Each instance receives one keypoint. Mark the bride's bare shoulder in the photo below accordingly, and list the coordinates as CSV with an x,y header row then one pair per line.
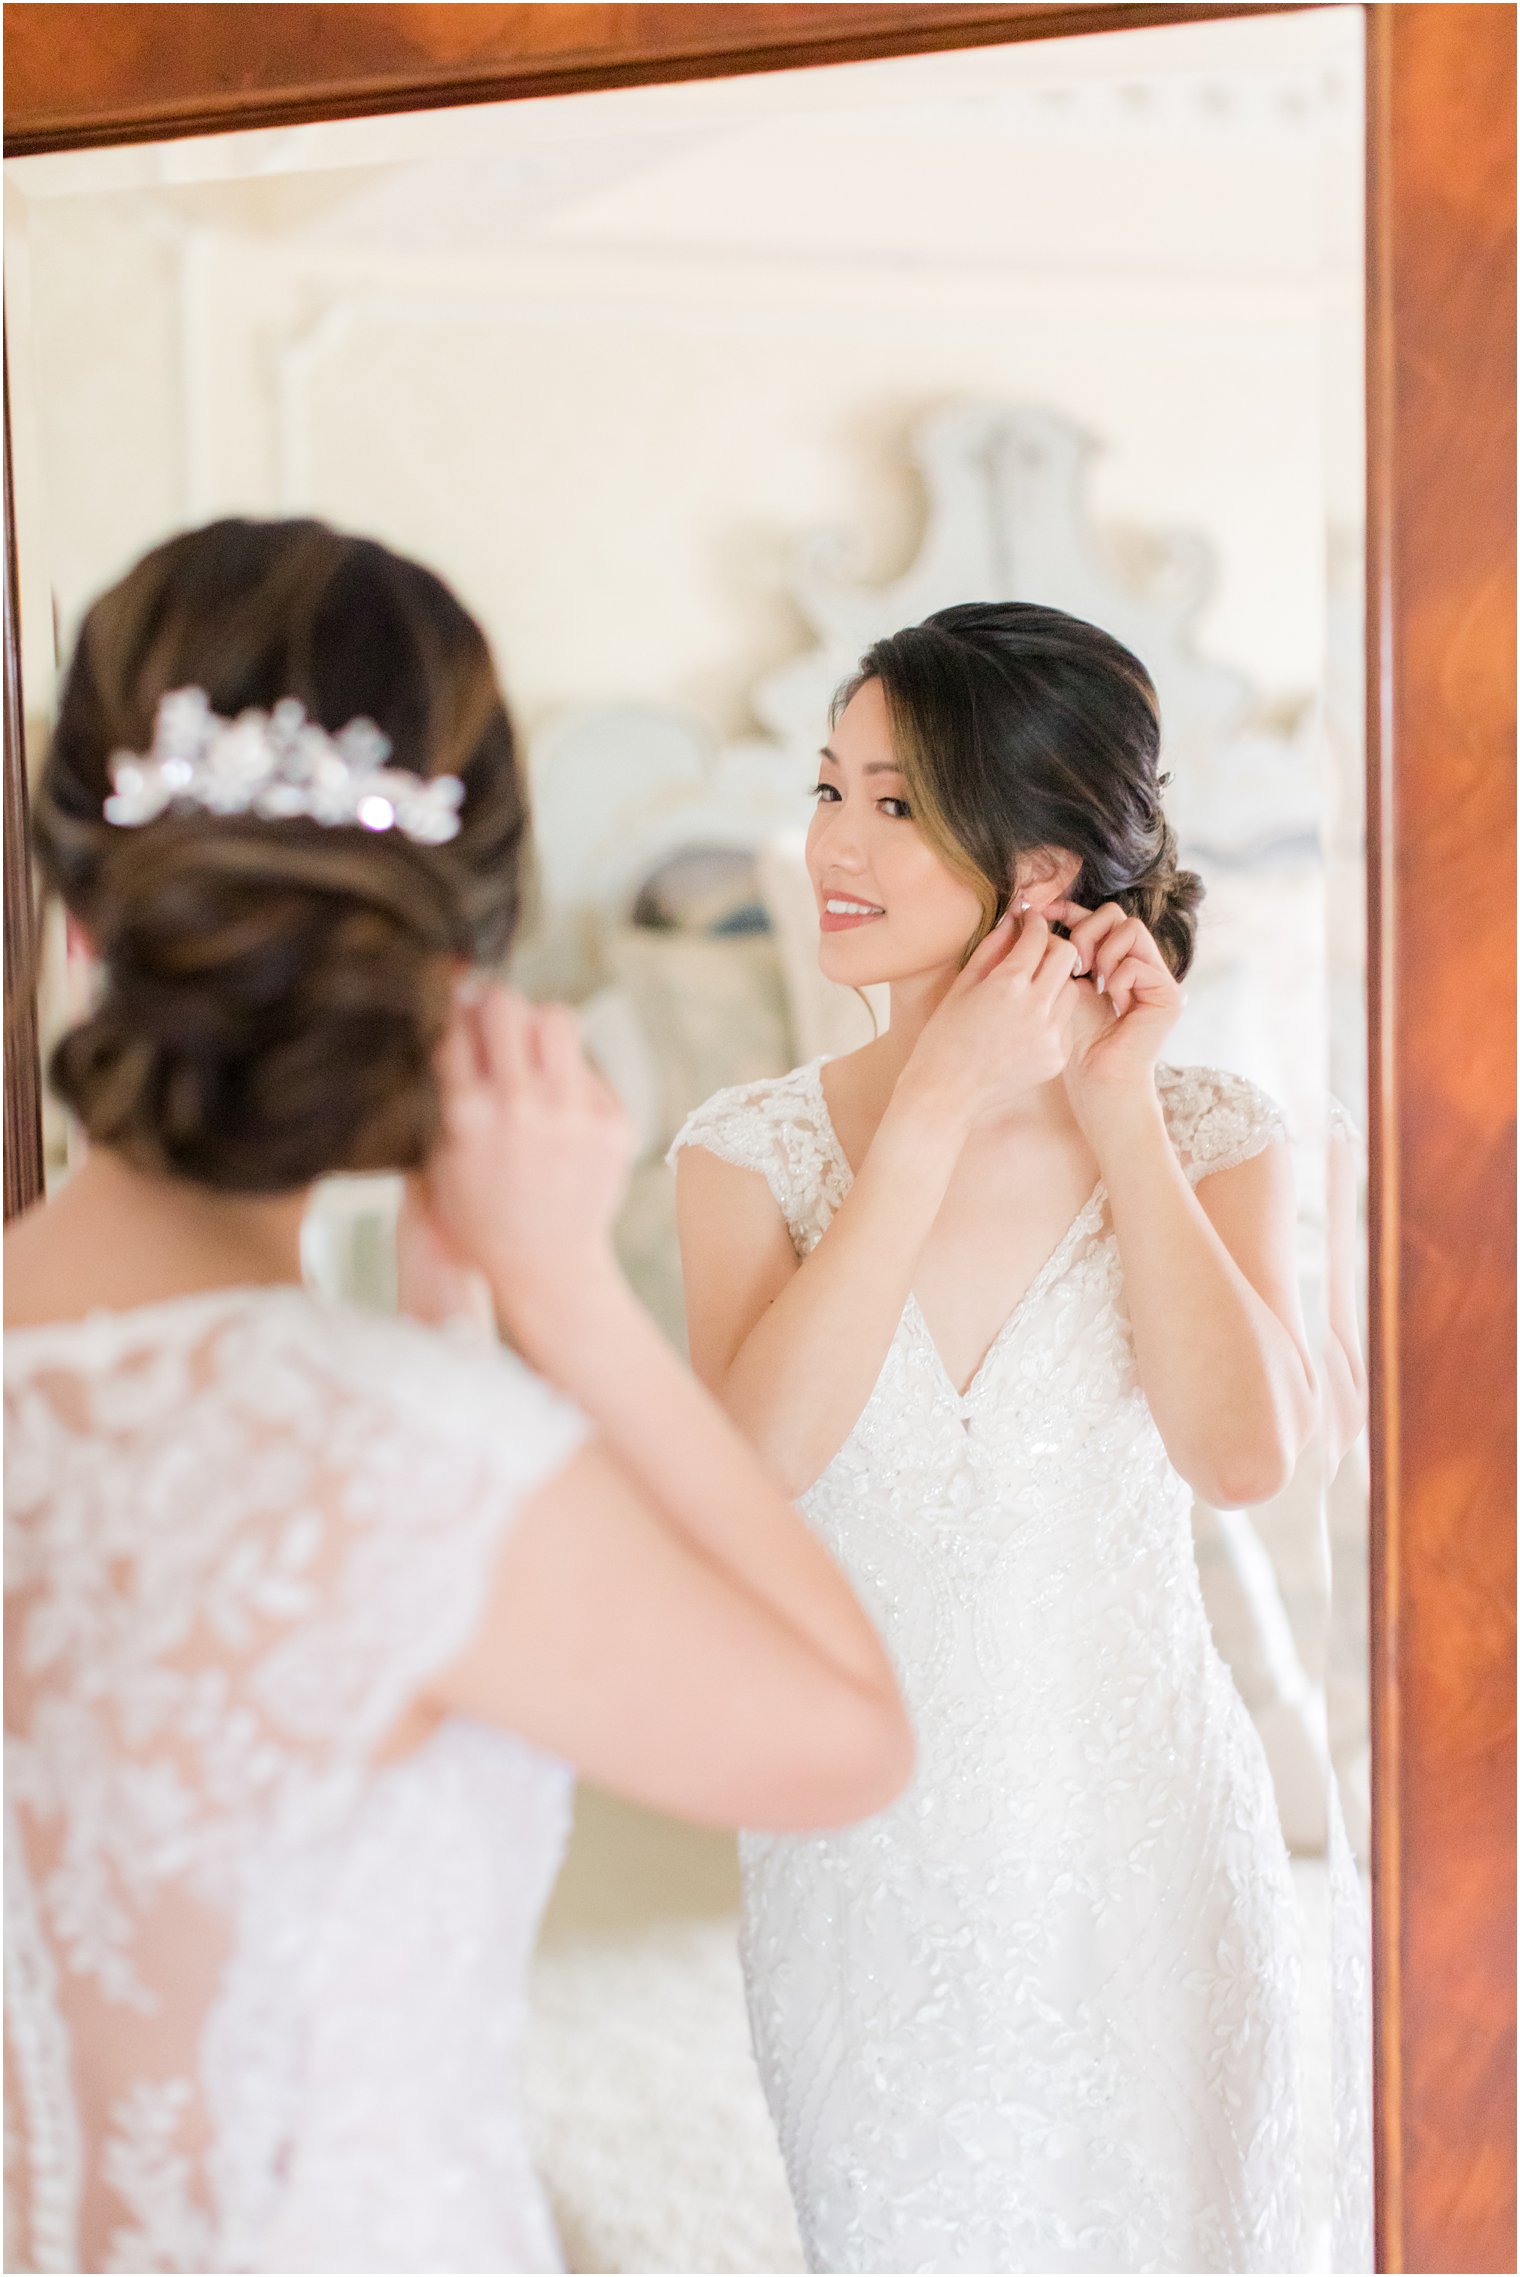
x,y
856,1088
858,1075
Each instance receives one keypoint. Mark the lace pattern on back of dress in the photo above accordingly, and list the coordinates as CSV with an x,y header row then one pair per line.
x,y
241,1531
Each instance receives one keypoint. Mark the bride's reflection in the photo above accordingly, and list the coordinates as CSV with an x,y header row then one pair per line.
x,y
998,1294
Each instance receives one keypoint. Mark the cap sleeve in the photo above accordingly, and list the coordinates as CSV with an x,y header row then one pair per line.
x,y
734,1126
771,1127
1217,1119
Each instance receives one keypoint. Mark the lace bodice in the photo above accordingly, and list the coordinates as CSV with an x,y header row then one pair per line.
x,y
781,1127
1041,2013
263,1995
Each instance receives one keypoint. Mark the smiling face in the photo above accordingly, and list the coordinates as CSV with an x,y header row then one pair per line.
x,y
889,906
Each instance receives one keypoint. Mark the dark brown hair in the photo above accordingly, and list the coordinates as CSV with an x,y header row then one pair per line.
x,y
272,992
1018,728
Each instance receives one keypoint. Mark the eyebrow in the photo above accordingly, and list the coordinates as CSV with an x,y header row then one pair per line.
x,y
872,766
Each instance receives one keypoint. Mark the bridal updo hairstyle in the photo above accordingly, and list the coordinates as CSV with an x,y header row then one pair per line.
x,y
1019,727
272,992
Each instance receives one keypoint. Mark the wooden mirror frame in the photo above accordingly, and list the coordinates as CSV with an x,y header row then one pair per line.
x,y
1440,835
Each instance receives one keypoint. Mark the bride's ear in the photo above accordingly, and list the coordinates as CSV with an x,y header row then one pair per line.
x,y
1045,875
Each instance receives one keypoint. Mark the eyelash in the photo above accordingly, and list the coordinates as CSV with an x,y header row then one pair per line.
x,y
905,815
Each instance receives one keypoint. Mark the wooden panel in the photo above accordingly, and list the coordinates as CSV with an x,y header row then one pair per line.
x,y
1442,805
86,74
1442,677
23,1112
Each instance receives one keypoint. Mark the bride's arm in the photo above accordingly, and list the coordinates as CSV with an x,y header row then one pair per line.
x,y
589,1335
793,1350
1213,1302
610,1641
1209,1275
524,1189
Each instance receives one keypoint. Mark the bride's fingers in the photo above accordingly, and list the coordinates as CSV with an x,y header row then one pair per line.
x,y
504,1024
1136,980
989,952
1126,939
1056,967
1087,927
1025,955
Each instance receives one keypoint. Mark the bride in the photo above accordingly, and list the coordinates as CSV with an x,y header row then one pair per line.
x,y
309,1613
997,1295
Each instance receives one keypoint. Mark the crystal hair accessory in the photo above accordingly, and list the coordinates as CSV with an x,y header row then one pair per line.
x,y
277,765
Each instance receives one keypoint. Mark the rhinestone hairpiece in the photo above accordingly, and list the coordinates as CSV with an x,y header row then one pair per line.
x,y
277,764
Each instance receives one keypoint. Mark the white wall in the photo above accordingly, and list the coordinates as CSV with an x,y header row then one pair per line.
x,y
603,360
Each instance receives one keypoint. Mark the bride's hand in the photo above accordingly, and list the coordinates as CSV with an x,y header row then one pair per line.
x,y
1003,1026
1129,1007
536,1150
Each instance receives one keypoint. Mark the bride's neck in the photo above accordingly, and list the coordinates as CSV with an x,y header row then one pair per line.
x,y
116,1236
913,1003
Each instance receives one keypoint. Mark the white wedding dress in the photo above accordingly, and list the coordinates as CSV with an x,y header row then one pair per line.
x,y
263,1998
1042,2012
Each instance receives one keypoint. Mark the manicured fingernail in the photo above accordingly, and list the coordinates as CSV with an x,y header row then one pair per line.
x,y
1102,985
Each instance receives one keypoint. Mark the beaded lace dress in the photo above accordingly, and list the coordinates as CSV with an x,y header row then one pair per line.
x,y
1042,2012
264,1998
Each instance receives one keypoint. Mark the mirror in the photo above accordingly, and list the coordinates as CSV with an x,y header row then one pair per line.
x,y
691,392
